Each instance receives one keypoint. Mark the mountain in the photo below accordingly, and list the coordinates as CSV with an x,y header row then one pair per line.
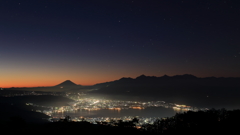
x,y
210,90
67,83
68,86
62,87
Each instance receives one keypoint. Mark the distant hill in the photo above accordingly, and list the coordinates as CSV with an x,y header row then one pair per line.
x,y
66,86
180,88
67,83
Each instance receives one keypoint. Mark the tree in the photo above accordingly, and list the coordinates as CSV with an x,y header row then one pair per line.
x,y
67,119
134,121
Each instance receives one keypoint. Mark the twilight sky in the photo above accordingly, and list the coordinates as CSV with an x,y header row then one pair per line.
x,y
45,42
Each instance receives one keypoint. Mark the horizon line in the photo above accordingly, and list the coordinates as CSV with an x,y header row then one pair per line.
x,y
115,80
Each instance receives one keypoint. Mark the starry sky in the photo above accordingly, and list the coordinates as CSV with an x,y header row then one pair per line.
x,y
45,42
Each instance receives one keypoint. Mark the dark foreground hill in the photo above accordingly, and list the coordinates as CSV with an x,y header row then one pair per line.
x,y
201,122
15,108
12,113
44,100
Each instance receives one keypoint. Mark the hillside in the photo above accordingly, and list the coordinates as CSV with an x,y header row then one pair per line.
x,y
179,88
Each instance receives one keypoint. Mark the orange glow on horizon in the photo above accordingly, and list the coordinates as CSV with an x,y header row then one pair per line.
x,y
20,83
21,79
36,84
44,77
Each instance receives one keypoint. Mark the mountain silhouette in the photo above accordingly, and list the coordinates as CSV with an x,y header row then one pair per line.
x,y
188,88
62,87
67,83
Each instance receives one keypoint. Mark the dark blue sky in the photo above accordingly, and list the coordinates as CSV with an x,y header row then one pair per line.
x,y
44,42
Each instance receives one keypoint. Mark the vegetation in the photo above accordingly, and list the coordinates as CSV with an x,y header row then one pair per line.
x,y
212,122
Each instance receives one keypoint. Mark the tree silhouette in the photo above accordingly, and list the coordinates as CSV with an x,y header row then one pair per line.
x,y
67,119
134,121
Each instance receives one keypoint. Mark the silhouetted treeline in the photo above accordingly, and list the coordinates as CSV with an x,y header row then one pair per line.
x,y
210,122
64,126
202,122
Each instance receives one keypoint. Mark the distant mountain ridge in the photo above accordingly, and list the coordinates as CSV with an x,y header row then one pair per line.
x,y
166,78
176,87
184,87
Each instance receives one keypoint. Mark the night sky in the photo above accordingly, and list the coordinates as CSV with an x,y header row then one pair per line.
x,y
45,42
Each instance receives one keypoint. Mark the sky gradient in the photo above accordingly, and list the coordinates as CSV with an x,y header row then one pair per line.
x,y
45,42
